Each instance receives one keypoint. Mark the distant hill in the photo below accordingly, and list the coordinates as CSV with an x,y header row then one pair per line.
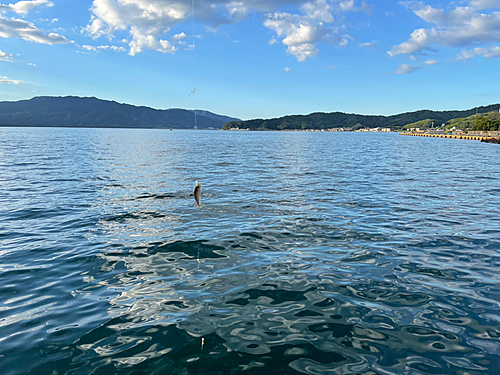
x,y
462,123
318,121
74,111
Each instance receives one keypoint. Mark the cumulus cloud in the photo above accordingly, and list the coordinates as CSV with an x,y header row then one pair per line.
x,y
461,27
431,62
4,56
147,22
142,39
23,7
178,37
406,69
303,51
10,81
143,20
302,32
286,69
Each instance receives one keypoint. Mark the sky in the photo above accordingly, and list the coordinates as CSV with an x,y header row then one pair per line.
x,y
255,58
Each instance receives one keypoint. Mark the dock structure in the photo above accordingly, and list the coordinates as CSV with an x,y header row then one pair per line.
x,y
453,136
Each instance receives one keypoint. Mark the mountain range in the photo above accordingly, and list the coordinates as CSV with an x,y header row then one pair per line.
x,y
319,121
74,111
90,112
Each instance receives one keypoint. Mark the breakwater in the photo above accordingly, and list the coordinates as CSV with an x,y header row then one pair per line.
x,y
491,140
454,136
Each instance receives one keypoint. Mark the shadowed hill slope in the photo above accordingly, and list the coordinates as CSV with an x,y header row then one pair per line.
x,y
73,111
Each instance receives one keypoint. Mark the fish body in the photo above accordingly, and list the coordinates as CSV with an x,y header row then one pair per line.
x,y
197,194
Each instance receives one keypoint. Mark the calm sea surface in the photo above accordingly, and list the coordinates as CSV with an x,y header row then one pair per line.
x,y
313,253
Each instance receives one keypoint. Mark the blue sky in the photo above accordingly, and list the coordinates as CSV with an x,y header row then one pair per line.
x,y
255,58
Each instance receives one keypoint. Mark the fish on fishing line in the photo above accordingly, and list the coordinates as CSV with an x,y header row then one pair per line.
x,y
197,194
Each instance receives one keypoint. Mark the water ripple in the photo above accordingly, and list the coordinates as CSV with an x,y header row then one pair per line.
x,y
311,254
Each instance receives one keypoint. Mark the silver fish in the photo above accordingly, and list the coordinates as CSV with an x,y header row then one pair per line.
x,y
197,193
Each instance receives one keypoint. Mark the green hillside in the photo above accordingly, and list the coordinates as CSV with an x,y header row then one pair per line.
x,y
323,121
482,121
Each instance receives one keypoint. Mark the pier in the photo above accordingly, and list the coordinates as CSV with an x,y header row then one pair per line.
x,y
482,138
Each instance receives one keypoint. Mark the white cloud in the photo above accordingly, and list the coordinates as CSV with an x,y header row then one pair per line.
x,y
141,40
303,51
301,32
146,22
488,53
286,69
178,38
17,28
406,69
368,45
89,48
349,6
23,7
113,48
31,64
143,19
10,81
417,42
461,27
4,56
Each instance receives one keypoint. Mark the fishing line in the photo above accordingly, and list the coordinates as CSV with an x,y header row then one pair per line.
x,y
195,126
194,68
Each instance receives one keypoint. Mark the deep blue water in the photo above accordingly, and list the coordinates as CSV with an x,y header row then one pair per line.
x,y
313,253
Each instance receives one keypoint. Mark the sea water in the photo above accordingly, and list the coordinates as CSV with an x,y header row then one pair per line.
x,y
313,253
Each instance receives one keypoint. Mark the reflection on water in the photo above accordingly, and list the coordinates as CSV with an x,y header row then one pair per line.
x,y
315,253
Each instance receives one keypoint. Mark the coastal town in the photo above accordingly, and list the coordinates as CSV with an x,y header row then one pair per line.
x,y
372,130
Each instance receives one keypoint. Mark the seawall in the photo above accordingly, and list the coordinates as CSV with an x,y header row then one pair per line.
x,y
454,136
